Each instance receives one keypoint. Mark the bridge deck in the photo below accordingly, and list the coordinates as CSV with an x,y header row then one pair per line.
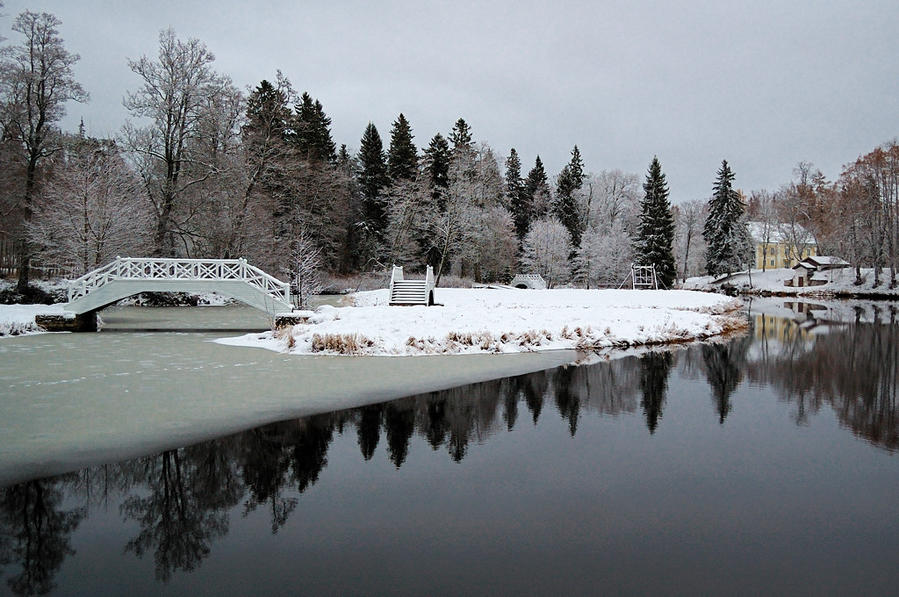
x,y
127,276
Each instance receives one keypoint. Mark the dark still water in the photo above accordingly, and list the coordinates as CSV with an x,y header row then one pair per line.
x,y
766,464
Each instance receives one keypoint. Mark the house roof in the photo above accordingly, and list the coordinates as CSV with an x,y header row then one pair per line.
x,y
821,262
776,233
830,260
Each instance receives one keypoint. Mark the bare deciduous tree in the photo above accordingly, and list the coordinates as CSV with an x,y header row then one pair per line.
x,y
90,210
305,268
177,92
492,245
36,81
604,257
545,251
689,246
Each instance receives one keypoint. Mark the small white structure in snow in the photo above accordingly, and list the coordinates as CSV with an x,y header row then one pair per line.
x,y
644,276
532,281
804,271
411,292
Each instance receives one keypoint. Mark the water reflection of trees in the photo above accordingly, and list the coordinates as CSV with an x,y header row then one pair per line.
x,y
185,505
655,367
853,369
723,365
181,499
36,534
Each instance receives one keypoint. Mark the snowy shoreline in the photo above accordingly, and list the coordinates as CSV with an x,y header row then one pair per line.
x,y
18,320
834,284
484,321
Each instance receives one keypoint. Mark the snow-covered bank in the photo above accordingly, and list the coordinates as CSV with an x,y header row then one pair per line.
x,y
18,320
503,321
839,283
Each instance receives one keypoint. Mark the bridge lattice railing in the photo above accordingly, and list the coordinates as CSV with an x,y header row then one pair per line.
x,y
141,268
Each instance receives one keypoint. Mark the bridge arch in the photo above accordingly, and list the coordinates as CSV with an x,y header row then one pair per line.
x,y
127,276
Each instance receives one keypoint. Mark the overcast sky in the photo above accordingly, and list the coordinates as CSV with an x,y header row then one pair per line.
x,y
761,84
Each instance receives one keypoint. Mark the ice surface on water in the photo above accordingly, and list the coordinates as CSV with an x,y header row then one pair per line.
x,y
73,399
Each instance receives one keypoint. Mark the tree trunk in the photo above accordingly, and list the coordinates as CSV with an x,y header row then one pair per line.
x,y
24,247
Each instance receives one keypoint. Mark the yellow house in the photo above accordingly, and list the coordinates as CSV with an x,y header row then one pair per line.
x,y
780,246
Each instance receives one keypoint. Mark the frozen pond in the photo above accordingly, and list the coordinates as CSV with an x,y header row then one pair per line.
x,y
765,464
70,399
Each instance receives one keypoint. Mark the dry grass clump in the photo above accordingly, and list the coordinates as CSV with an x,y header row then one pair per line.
x,y
483,340
534,338
723,308
341,343
286,334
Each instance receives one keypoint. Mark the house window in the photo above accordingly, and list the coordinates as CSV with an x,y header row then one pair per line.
x,y
772,262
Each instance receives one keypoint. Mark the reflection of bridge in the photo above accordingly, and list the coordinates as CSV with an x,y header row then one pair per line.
x,y
127,276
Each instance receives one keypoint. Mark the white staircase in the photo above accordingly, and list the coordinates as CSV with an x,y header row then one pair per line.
x,y
411,292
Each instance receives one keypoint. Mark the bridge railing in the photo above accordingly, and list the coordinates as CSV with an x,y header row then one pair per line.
x,y
143,268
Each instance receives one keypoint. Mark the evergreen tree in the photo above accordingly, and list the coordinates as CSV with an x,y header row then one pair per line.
x,y
655,230
373,178
536,190
725,230
402,157
565,208
517,195
343,157
461,136
312,131
437,162
268,115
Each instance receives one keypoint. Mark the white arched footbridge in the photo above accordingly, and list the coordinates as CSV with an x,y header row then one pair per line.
x,y
127,276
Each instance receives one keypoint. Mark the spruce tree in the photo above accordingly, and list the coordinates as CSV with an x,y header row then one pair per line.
x,y
312,131
536,177
655,231
461,136
268,114
535,185
343,156
725,232
373,178
565,208
516,195
436,164
402,157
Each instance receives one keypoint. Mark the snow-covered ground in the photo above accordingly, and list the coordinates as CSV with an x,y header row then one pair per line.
x,y
18,320
503,321
838,282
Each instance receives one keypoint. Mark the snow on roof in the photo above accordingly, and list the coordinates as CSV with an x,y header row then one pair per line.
x,y
827,260
821,261
776,233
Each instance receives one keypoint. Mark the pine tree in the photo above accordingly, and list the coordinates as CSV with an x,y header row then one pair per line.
x,y
536,190
267,109
373,178
402,157
312,131
461,136
577,167
565,208
343,157
517,195
436,162
655,231
725,230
